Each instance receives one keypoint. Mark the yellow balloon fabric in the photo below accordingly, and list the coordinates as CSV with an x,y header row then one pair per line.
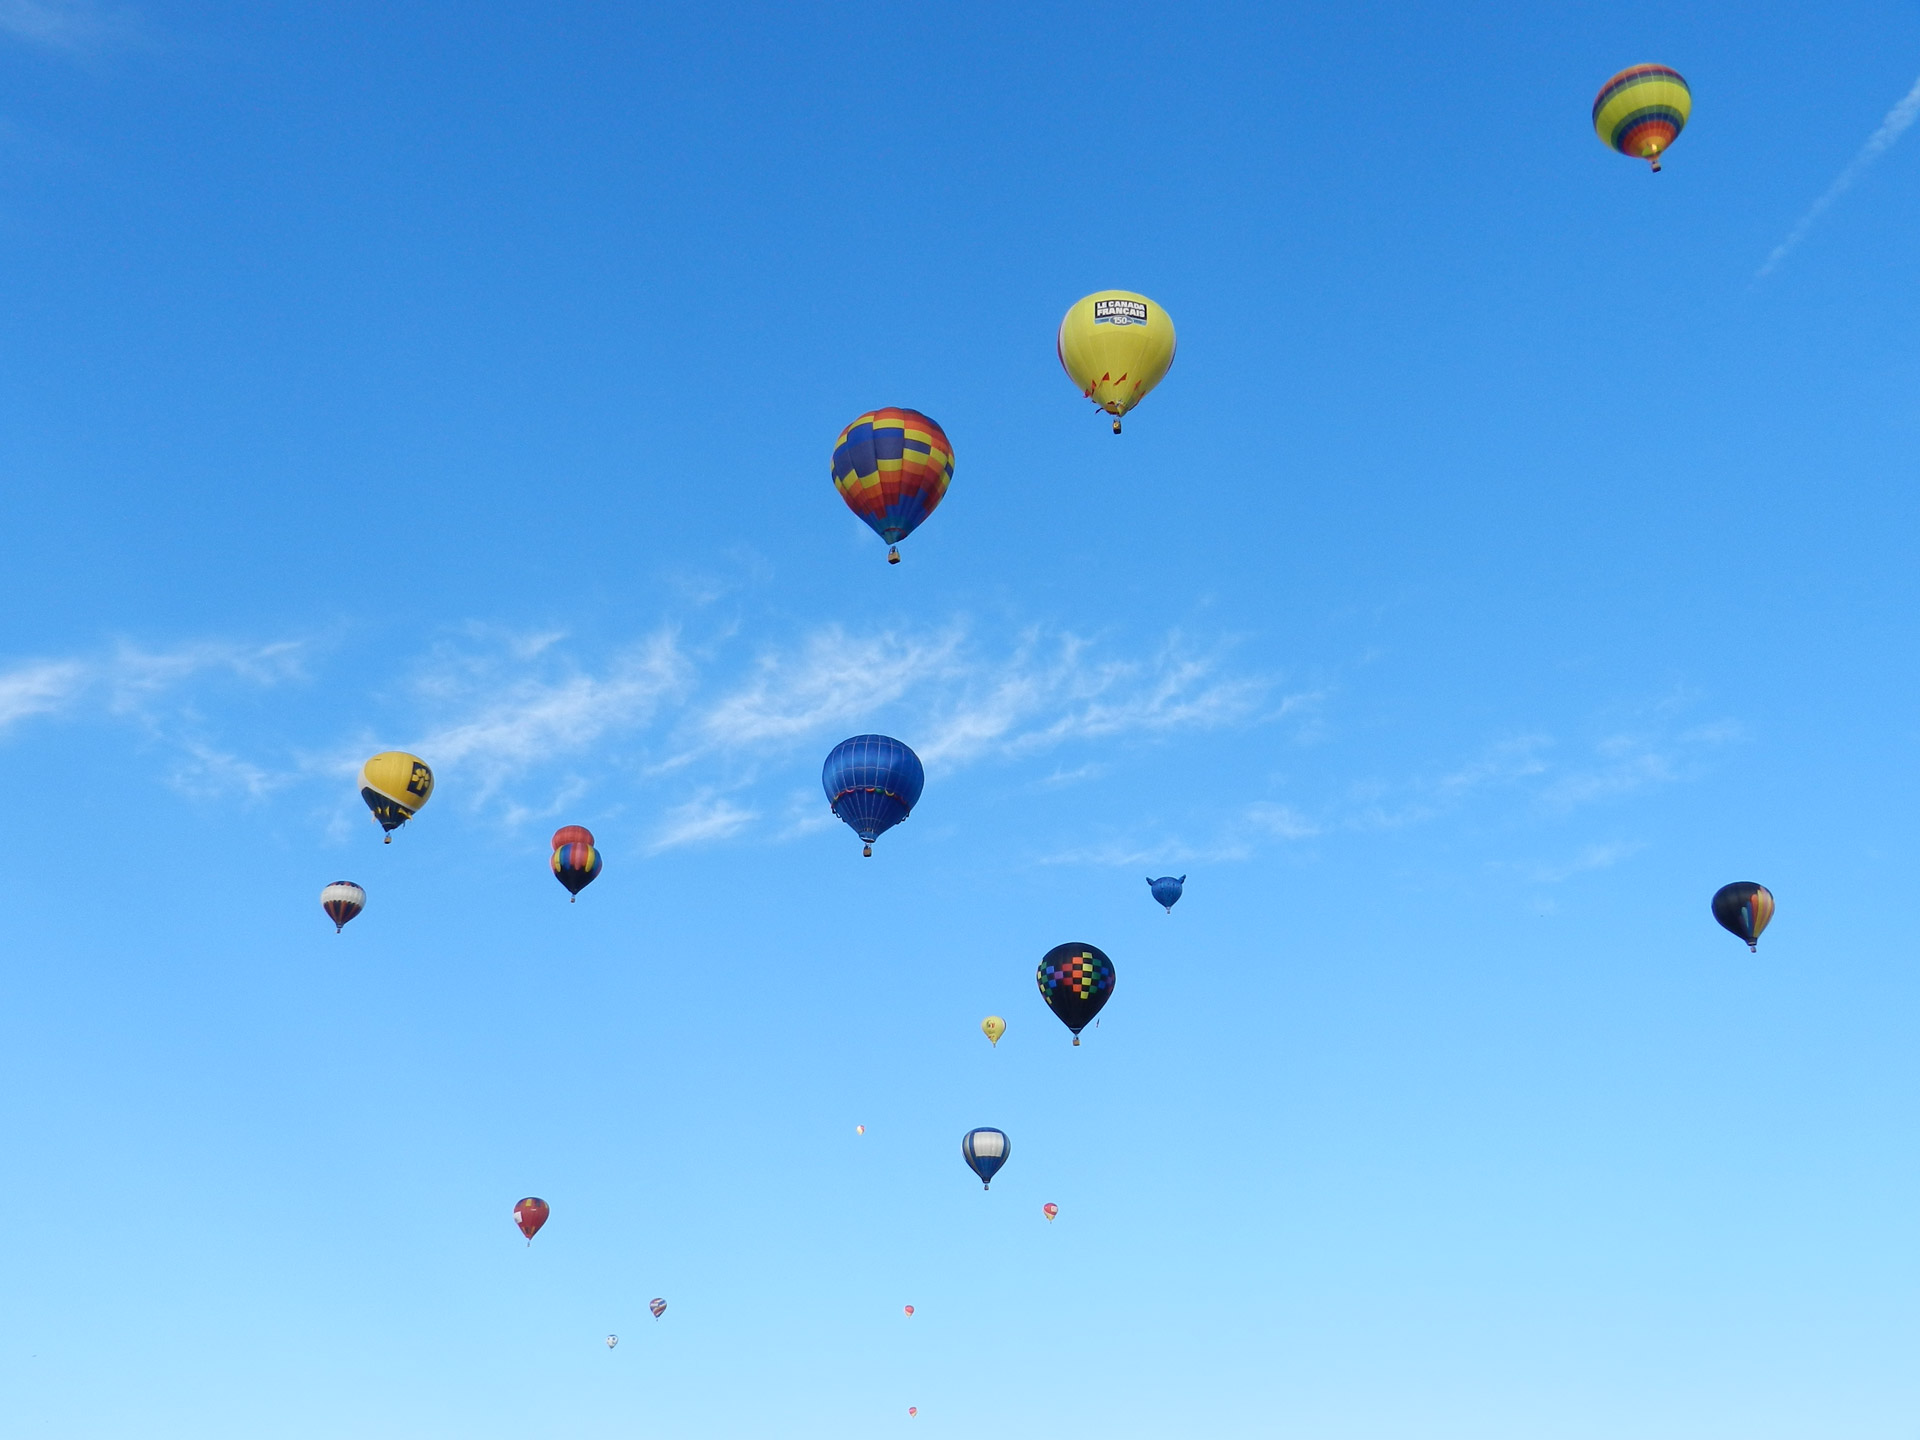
x,y
1642,110
1116,346
395,785
993,1027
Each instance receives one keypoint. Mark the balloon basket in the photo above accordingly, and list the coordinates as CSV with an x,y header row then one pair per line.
x,y
893,555
1116,419
867,850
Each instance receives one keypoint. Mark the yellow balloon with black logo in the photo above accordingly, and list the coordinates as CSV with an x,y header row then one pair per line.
x,y
395,785
1116,346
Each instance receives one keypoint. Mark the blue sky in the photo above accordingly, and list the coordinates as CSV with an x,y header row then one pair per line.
x,y
1505,564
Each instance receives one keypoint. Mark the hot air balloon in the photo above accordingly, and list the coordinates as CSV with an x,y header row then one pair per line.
x,y
1642,110
395,785
530,1214
342,900
1049,1210
1167,890
892,467
993,1027
872,783
571,835
1075,981
859,1129
1116,346
909,1310
1744,908
985,1151
612,1340
576,866
657,1306
912,1410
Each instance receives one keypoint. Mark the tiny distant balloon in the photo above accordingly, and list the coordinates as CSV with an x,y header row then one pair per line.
x,y
1116,346
985,1151
859,1129
993,1027
1167,890
612,1340
912,1410
1744,907
657,1306
1049,1210
909,1310
1076,981
571,835
342,900
576,866
394,786
872,784
1642,110
530,1214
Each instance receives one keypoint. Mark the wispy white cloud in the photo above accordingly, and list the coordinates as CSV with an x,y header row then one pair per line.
x,y
1283,822
963,702
508,722
706,817
39,688
1891,129
130,681
69,25
1590,857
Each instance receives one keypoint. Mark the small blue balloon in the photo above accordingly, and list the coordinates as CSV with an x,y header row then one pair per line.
x,y
1166,890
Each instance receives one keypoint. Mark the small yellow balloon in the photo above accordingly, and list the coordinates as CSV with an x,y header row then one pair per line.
x,y
1116,346
395,785
993,1027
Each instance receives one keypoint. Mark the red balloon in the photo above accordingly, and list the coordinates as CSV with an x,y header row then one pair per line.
x,y
571,835
530,1214
909,1312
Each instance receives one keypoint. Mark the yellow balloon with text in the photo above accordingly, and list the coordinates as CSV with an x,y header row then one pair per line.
x,y
993,1027
1116,346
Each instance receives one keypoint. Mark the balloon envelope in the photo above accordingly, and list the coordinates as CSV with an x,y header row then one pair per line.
x,y
993,1027
576,866
1744,907
892,467
1076,981
530,1214
612,1340
872,784
1167,890
1049,1210
657,1306
1116,346
570,835
909,1310
394,786
1642,110
342,900
985,1151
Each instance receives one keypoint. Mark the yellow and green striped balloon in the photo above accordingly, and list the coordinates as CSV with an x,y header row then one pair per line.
x,y
1642,110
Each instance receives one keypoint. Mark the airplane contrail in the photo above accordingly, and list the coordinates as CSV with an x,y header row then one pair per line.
x,y
1891,129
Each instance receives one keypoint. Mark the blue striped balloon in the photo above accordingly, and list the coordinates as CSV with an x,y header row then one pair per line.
x,y
872,784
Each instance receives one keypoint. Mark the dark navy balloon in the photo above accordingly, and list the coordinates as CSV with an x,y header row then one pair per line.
x,y
1075,980
872,782
985,1151
1166,890
1744,907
